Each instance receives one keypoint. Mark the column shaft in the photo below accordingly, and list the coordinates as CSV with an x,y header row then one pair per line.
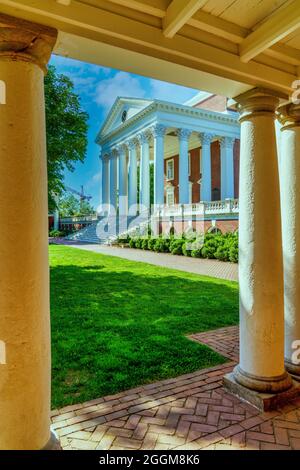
x,y
205,167
144,173
113,182
290,208
105,180
132,178
24,296
184,135
158,134
260,258
227,168
123,199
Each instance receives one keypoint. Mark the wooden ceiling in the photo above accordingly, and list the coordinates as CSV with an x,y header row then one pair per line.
x,y
236,44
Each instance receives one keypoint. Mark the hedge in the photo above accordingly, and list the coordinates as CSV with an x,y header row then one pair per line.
x,y
223,247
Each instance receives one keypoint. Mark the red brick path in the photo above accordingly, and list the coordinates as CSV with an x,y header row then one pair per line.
x,y
192,411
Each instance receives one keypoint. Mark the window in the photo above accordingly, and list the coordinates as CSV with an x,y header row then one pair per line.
x,y
170,169
170,200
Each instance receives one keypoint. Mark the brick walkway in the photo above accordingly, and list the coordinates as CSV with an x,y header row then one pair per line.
x,y
206,267
189,412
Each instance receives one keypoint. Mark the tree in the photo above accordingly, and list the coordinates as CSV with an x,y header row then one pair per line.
x,y
69,205
66,127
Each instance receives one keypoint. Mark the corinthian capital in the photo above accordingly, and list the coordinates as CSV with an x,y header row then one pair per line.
x,y
143,137
25,41
206,138
158,130
183,134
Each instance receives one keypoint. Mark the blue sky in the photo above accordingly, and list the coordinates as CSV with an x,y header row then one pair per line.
x,y
98,88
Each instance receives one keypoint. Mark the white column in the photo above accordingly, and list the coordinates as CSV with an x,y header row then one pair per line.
x,y
144,171
105,179
132,176
205,167
113,182
184,191
25,365
261,364
227,168
289,117
158,132
123,198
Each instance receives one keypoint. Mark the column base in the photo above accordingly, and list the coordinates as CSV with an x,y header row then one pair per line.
x,y
293,369
277,384
262,401
53,443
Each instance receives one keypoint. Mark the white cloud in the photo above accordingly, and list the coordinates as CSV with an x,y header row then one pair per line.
x,y
170,92
121,84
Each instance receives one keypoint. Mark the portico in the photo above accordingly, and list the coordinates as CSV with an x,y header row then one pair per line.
x,y
137,134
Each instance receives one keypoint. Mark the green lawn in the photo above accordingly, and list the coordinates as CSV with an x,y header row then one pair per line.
x,y
117,324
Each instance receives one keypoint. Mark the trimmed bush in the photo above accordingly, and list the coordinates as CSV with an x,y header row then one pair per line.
x,y
144,243
132,242
151,243
176,246
162,245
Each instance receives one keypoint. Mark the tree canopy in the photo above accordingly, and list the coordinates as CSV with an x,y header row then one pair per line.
x,y
66,127
69,205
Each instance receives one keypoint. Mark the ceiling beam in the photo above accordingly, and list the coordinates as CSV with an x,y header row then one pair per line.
x,y
95,35
274,29
178,13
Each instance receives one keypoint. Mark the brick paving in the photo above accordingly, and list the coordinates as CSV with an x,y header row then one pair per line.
x,y
190,412
206,267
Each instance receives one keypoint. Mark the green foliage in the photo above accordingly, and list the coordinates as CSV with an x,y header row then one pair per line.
x,y
66,128
56,233
144,244
212,245
176,246
162,245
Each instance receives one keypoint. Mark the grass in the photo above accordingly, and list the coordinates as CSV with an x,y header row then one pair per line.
x,y
117,324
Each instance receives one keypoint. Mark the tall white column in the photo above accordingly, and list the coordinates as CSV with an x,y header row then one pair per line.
x,y
132,176
261,364
113,169
158,132
105,179
184,190
25,369
289,117
205,167
144,171
123,198
227,168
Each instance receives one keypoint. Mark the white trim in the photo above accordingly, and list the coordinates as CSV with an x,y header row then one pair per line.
x,y
199,98
190,192
171,161
190,163
170,192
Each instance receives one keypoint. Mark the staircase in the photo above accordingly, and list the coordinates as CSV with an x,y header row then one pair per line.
x,y
89,233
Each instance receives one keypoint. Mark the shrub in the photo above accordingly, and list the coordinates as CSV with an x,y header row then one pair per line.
x,y
151,243
211,243
132,242
56,233
144,244
186,251
123,239
176,246
161,245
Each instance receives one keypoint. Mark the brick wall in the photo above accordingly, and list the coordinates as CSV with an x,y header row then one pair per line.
x,y
215,158
213,103
223,225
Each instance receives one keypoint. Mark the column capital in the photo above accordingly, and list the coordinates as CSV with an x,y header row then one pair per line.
x,y
183,134
258,101
131,144
289,115
121,148
143,137
227,142
206,137
158,130
25,41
